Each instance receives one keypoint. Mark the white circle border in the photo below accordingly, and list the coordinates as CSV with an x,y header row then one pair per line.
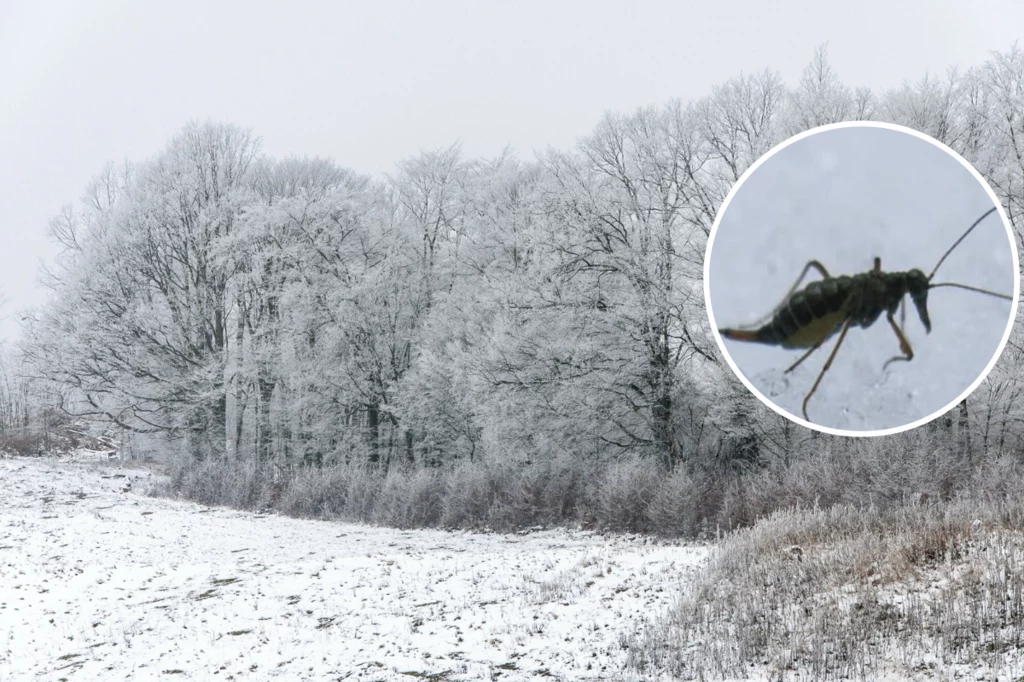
x,y
837,126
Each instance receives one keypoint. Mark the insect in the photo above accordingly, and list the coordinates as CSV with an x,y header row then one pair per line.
x,y
811,316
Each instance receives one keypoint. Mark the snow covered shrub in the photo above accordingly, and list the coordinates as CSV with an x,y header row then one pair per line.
x,y
624,492
469,494
410,498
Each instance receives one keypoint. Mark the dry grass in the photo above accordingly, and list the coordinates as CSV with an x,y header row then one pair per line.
x,y
851,592
632,494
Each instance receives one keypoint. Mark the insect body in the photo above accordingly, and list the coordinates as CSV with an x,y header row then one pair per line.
x,y
809,317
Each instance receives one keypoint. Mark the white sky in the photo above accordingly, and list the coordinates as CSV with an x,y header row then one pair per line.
x,y
370,83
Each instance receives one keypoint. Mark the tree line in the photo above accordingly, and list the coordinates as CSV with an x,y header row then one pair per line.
x,y
294,311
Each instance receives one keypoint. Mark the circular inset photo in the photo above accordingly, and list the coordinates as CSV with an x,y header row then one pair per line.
x,y
862,279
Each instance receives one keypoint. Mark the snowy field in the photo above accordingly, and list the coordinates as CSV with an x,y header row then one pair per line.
x,y
100,582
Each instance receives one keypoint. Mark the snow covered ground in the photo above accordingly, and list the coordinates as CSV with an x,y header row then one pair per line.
x,y
100,582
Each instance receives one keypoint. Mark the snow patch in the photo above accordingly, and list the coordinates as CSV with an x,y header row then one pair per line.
x,y
102,582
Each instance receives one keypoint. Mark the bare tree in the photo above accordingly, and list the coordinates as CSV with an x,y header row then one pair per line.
x,y
821,98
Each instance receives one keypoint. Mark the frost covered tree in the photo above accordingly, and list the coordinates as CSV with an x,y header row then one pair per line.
x,y
298,245
292,311
821,97
138,322
595,348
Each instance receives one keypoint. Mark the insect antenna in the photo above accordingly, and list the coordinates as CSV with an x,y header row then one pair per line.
x,y
970,288
950,250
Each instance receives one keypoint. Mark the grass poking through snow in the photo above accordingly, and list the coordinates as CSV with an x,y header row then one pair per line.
x,y
853,593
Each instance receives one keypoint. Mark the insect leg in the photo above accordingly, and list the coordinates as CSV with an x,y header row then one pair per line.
x,y
899,331
908,352
796,285
804,357
810,264
828,363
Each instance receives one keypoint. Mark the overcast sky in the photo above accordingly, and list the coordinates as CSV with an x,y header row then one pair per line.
x,y
370,83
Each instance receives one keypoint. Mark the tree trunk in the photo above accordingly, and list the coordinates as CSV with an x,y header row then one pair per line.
x,y
264,437
373,431
661,409
965,429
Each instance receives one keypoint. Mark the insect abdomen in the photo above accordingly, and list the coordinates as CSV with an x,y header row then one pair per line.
x,y
809,316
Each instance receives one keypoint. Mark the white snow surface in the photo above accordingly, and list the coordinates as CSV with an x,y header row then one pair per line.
x,y
100,582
